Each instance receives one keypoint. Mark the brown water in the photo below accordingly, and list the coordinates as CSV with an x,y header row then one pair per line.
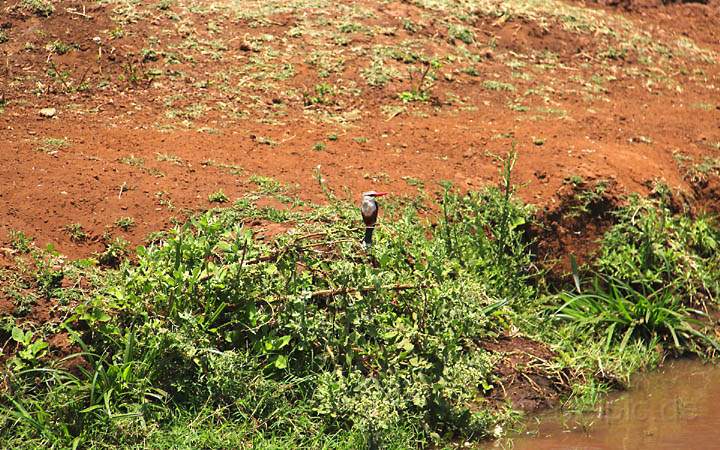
x,y
676,407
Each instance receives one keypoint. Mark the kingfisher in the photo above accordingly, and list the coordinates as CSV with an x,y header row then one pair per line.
x,y
369,210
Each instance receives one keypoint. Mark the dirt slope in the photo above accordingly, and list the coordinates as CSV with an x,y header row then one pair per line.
x,y
157,106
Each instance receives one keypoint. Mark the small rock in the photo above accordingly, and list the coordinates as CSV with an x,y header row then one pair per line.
x,y
97,40
48,112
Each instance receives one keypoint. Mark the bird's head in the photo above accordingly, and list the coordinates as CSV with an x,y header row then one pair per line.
x,y
374,194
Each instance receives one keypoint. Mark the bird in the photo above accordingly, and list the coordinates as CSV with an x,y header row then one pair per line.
x,y
369,209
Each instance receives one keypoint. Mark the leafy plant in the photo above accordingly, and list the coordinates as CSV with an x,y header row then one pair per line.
x,y
651,246
623,312
76,231
413,96
218,197
125,223
30,351
43,8
20,241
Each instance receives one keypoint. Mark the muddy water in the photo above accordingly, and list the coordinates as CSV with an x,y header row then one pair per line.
x,y
677,407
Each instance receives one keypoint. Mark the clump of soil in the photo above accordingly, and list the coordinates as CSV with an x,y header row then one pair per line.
x,y
574,227
525,378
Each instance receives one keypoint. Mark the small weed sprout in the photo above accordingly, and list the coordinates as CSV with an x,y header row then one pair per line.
x,y
132,160
20,241
125,223
58,47
413,96
117,33
264,140
166,157
322,96
379,74
76,232
492,85
575,180
410,26
52,146
164,5
461,34
472,71
116,250
218,197
419,91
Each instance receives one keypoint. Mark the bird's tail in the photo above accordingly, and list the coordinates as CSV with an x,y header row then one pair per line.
x,y
367,240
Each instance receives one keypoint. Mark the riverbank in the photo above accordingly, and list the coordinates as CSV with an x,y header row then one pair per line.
x,y
216,335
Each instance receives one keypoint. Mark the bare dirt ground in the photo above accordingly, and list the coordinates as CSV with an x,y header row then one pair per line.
x,y
160,105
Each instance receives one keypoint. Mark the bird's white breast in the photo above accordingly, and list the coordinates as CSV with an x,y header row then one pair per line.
x,y
368,206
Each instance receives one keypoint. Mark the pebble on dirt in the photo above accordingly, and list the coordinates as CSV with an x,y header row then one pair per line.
x,y
48,113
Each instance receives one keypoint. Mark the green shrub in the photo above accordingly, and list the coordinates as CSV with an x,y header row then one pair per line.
x,y
214,338
284,338
654,278
651,246
43,8
622,312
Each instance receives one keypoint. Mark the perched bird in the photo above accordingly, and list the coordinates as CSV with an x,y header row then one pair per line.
x,y
369,209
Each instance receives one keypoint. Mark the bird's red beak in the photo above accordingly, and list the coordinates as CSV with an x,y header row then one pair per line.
x,y
380,194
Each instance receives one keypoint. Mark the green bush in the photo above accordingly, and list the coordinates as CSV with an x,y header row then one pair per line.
x,y
43,8
212,338
300,338
622,312
651,246
655,277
